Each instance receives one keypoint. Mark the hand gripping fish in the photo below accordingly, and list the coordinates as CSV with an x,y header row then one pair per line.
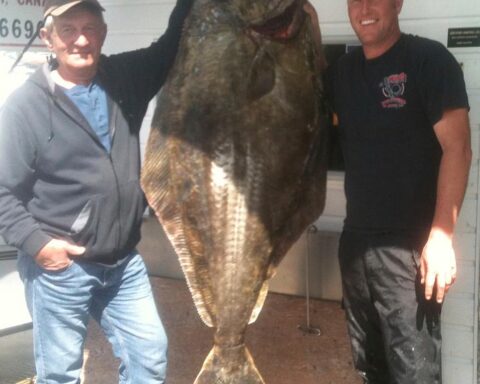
x,y
235,162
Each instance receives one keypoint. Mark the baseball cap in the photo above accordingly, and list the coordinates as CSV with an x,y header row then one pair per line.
x,y
58,7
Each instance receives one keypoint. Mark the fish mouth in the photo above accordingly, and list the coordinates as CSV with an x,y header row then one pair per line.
x,y
283,26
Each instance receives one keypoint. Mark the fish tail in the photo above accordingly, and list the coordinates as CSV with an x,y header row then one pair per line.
x,y
232,365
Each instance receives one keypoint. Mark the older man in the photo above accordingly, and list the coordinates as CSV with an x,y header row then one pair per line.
x,y
70,199
403,122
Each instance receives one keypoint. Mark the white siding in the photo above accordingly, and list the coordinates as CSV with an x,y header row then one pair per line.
x,y
12,299
134,24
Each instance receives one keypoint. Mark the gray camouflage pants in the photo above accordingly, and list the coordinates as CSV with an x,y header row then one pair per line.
x,y
394,332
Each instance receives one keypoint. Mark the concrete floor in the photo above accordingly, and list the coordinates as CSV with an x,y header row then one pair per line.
x,y
283,354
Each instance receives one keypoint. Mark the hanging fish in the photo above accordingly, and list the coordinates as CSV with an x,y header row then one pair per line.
x,y
235,164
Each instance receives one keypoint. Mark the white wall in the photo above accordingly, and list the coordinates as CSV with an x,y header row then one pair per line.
x,y
12,299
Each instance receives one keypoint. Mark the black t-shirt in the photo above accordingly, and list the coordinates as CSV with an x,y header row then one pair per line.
x,y
387,108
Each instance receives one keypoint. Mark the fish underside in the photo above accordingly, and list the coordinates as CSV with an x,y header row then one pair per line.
x,y
235,163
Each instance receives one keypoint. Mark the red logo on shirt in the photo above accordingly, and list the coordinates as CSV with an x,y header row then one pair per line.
x,y
393,88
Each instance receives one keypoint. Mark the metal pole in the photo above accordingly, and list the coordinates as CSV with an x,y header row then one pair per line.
x,y
308,329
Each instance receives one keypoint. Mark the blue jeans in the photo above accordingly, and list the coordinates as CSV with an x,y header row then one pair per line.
x,y
119,298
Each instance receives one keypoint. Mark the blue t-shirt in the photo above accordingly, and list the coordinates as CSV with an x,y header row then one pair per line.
x,y
91,100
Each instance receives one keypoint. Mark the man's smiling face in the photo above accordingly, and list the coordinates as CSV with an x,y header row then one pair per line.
x,y
376,23
76,39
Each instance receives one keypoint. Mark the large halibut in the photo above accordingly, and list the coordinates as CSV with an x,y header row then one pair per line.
x,y
235,163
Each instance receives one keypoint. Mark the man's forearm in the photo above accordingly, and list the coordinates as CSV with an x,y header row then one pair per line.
x,y
438,266
452,183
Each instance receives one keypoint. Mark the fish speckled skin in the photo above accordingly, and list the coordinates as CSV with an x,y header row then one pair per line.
x,y
234,165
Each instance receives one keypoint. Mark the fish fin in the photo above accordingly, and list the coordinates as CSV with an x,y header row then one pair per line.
x,y
229,366
155,173
177,238
260,301
198,299
261,78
